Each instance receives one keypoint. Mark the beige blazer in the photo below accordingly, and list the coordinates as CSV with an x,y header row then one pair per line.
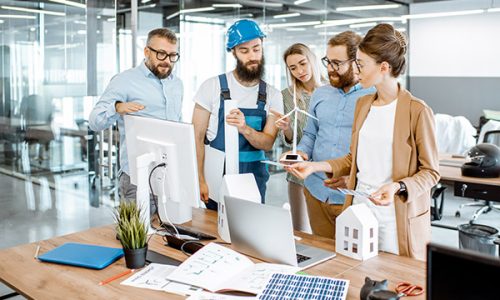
x,y
415,162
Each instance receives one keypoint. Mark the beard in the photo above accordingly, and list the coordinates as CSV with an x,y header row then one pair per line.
x,y
248,74
155,69
341,81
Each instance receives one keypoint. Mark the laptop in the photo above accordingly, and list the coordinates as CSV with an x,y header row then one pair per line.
x,y
266,232
461,274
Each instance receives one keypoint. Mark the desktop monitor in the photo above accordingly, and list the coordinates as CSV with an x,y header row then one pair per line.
x,y
461,274
151,142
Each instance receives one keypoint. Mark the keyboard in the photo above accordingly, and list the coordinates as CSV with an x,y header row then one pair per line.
x,y
301,258
188,231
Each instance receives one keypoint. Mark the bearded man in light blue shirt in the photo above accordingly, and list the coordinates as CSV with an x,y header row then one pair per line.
x,y
333,104
149,90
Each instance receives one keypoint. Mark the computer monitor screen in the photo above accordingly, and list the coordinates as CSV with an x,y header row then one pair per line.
x,y
172,143
461,274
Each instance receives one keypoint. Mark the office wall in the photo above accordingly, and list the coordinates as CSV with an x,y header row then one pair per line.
x,y
454,61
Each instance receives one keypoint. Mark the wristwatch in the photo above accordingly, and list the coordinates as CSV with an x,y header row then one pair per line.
x,y
402,188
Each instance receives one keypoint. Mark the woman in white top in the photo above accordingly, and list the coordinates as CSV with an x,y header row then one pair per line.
x,y
303,74
393,155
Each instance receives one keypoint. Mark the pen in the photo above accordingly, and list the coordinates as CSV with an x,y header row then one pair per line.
x,y
37,250
105,281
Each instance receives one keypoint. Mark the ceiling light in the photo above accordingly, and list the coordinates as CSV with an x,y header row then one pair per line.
x,y
16,17
236,5
190,10
290,15
444,14
298,2
360,25
38,11
343,22
367,7
284,25
329,33
496,9
70,3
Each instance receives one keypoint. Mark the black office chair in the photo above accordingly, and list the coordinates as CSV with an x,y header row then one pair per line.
x,y
485,206
437,204
36,115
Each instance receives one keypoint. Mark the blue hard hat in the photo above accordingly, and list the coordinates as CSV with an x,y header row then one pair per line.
x,y
241,32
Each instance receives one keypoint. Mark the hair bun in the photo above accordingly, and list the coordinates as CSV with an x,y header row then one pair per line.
x,y
401,39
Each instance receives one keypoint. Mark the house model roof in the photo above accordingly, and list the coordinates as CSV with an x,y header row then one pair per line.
x,y
359,213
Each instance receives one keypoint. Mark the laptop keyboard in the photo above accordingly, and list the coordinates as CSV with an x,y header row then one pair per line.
x,y
301,258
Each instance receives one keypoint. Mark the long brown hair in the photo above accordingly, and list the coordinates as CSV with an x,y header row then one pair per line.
x,y
384,43
302,49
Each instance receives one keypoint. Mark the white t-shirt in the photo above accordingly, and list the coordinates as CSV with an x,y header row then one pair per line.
x,y
208,97
374,155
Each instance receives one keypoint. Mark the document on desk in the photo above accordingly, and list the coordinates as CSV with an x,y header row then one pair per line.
x,y
154,277
212,296
217,268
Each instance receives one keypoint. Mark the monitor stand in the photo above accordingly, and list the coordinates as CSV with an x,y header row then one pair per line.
x,y
175,212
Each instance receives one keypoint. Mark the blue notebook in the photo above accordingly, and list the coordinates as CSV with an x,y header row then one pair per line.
x,y
82,255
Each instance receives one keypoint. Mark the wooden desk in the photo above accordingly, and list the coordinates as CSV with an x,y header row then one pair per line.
x,y
36,280
465,186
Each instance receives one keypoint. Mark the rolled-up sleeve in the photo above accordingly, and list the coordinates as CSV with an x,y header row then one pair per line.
x,y
104,113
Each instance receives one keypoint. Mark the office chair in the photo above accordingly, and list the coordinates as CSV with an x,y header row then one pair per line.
x,y
437,196
485,206
36,115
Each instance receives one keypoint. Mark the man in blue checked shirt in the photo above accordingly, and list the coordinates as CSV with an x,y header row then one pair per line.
x,y
330,137
149,90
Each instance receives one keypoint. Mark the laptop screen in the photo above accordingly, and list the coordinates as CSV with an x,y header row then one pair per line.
x,y
460,274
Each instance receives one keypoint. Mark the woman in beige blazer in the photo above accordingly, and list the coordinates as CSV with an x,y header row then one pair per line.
x,y
407,138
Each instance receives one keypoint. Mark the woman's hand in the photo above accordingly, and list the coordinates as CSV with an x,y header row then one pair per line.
x,y
385,194
283,124
303,169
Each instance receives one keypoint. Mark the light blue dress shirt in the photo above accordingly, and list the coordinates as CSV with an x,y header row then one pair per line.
x,y
162,99
330,137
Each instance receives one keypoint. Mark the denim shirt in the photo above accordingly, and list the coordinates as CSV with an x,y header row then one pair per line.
x,y
330,137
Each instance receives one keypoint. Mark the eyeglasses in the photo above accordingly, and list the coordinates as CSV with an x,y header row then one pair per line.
x,y
162,55
334,64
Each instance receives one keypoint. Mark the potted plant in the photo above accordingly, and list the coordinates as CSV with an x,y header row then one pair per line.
x,y
132,233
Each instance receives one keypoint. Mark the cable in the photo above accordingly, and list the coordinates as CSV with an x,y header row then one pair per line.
x,y
155,200
164,200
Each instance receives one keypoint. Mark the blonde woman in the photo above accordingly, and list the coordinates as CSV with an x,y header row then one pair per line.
x,y
303,73
393,155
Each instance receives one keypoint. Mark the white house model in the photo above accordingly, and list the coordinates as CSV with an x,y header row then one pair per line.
x,y
356,233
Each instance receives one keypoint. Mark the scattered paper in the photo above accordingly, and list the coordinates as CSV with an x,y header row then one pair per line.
x,y
154,277
217,268
210,267
254,279
212,296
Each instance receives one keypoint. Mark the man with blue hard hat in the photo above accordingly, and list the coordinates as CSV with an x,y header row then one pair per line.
x,y
254,98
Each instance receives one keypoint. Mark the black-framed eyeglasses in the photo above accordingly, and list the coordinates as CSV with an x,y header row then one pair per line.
x,y
334,64
162,55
